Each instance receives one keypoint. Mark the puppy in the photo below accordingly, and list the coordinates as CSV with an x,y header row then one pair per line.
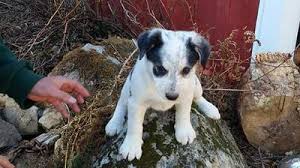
x,y
163,76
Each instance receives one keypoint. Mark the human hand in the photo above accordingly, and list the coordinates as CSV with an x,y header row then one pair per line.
x,y
56,90
4,163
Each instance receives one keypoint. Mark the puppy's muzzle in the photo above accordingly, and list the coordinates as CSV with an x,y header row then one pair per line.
x,y
172,96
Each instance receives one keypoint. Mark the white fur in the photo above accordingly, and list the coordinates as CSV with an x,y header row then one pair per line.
x,y
149,91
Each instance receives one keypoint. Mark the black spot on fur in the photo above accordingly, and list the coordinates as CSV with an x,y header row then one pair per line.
x,y
130,74
192,55
154,55
142,42
159,71
150,45
204,50
130,93
193,51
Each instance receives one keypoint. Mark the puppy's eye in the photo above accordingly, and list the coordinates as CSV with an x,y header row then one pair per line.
x,y
159,71
185,70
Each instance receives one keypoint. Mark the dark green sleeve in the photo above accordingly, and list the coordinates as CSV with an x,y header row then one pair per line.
x,y
16,77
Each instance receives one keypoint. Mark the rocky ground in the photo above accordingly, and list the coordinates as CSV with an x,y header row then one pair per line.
x,y
22,25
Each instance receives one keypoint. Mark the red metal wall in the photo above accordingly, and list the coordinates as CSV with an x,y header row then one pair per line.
x,y
221,16
216,17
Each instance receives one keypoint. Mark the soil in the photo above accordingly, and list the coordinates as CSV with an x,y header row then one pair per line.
x,y
34,160
21,22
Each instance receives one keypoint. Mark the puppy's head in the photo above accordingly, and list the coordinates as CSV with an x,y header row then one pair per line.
x,y
171,58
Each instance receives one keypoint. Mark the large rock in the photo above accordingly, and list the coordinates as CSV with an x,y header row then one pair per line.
x,y
9,136
213,147
270,113
26,121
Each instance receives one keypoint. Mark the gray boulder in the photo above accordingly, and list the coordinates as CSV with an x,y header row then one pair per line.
x,y
214,145
9,135
26,121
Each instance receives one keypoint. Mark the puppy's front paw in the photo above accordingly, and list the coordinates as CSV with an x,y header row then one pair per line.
x,y
131,147
209,110
113,127
185,133
213,112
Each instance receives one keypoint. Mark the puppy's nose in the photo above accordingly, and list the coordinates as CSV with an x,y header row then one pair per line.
x,y
172,96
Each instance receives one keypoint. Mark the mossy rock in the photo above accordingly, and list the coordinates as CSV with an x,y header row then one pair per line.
x,y
213,147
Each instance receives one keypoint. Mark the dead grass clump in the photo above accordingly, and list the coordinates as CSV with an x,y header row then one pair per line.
x,y
38,31
225,69
43,31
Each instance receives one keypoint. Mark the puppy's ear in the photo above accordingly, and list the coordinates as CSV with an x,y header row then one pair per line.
x,y
202,47
148,40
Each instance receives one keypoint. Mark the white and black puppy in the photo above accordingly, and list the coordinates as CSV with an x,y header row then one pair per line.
x,y
163,76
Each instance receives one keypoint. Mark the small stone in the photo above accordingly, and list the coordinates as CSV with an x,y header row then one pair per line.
x,y
26,121
47,139
51,119
9,135
289,153
89,47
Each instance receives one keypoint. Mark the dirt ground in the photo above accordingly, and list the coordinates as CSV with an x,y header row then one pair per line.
x,y
22,26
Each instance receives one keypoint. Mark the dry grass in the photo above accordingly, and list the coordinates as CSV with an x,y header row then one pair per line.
x,y
43,31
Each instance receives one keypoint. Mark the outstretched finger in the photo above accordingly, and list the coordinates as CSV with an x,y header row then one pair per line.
x,y
75,107
60,107
79,98
77,87
66,98
63,96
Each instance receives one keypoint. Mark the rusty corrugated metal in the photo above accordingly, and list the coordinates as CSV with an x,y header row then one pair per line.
x,y
215,18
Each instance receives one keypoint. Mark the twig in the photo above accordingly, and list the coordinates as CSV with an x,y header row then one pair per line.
x,y
195,27
77,4
167,13
130,16
6,4
121,71
232,90
65,33
43,29
260,157
66,156
267,72
151,13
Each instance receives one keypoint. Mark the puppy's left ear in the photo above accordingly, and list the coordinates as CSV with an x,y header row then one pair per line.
x,y
202,47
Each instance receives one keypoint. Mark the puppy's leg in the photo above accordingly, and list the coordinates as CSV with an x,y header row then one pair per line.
x,y
115,124
206,107
132,145
184,131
